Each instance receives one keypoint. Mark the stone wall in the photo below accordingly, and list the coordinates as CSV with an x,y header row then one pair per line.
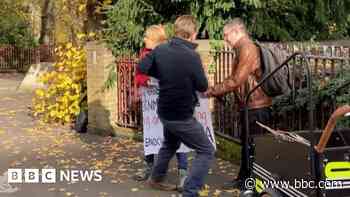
x,y
101,104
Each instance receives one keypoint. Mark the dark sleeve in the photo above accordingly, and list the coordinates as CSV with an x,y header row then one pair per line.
x,y
146,65
199,78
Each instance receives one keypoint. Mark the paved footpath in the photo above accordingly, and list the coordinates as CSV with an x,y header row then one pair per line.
x,y
29,143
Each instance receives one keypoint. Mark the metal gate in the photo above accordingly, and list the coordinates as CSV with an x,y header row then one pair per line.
x,y
126,116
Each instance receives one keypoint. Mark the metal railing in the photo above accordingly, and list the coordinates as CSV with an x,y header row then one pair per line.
x,y
325,64
19,59
126,115
324,67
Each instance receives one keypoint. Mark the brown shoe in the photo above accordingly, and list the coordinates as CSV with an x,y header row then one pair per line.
x,y
161,185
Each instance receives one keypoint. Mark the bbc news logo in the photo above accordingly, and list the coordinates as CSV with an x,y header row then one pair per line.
x,y
52,175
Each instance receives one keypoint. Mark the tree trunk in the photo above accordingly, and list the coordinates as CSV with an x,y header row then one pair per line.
x,y
93,19
45,22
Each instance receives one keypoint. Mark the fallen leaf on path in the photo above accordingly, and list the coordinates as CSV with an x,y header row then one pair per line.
x,y
103,193
114,181
217,192
135,189
204,192
232,191
52,189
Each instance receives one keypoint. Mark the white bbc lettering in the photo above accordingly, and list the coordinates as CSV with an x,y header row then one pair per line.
x,y
98,175
64,175
75,175
52,175
14,176
31,175
48,175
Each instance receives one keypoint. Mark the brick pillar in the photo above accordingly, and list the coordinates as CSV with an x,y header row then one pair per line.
x,y
203,50
101,105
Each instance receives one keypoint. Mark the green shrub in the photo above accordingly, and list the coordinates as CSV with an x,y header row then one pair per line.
x,y
126,21
325,93
14,28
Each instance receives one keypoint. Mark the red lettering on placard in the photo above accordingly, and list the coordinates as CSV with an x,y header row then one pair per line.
x,y
202,117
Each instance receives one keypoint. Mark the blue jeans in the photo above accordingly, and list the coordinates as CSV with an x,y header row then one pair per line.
x,y
181,160
192,134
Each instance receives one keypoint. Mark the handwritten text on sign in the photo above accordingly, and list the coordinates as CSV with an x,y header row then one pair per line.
x,y
153,128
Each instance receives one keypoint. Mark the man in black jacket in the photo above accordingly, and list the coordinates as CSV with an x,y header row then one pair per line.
x,y
180,73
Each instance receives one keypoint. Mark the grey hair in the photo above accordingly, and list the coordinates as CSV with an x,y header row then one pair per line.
x,y
236,22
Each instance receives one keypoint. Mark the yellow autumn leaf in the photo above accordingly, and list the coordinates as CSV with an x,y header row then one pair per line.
x,y
69,54
217,193
114,181
81,7
103,193
39,92
67,118
52,189
62,189
92,34
80,36
69,45
204,191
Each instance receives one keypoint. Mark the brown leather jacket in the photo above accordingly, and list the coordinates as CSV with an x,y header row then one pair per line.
x,y
245,72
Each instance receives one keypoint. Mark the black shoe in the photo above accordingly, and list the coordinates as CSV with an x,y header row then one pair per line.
x,y
235,184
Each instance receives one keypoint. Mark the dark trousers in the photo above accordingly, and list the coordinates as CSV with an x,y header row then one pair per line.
x,y
182,162
262,115
192,134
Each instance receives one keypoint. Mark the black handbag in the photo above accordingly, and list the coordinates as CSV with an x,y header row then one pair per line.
x,y
81,122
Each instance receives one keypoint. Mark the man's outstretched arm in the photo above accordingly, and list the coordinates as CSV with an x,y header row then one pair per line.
x,y
245,67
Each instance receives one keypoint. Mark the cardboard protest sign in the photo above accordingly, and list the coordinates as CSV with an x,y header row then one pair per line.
x,y
203,115
153,128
